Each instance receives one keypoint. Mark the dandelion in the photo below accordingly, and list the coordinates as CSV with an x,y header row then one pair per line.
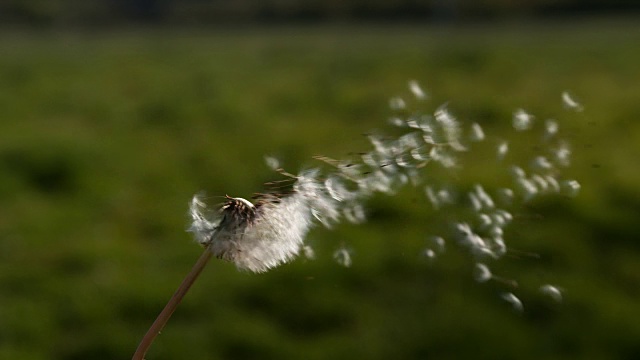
x,y
255,237
269,230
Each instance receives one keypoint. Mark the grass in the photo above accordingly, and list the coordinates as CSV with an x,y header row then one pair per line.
x,y
106,136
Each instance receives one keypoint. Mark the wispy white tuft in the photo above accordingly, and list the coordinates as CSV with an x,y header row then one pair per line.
x,y
522,120
572,187
343,257
552,291
397,103
570,103
272,162
503,149
262,236
481,272
308,252
416,90
477,134
514,301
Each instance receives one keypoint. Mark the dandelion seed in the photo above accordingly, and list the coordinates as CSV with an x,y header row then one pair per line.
x,y
540,182
550,128
496,232
517,172
439,243
572,187
505,195
481,273
429,254
343,257
552,291
499,246
503,149
505,215
354,214
395,121
528,188
404,161
562,154
450,128
417,154
272,162
476,205
522,120
514,301
541,163
477,134
570,103
483,196
308,252
397,103
258,237
553,183
485,220
416,90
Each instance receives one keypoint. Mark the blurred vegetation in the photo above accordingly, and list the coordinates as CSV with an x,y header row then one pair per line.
x,y
100,13
105,137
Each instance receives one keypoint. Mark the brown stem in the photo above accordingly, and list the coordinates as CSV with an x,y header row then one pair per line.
x,y
171,306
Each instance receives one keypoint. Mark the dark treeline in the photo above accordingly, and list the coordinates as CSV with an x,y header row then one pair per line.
x,y
212,12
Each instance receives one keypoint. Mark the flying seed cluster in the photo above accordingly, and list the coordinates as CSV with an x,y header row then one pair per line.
x,y
260,236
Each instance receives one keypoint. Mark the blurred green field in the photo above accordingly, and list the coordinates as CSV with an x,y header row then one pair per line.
x,y
104,138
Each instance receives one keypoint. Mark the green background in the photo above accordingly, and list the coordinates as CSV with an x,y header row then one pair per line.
x,y
106,135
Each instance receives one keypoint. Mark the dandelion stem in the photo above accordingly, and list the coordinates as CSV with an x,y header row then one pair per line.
x,y
171,306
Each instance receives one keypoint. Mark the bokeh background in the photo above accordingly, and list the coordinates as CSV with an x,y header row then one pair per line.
x,y
114,113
